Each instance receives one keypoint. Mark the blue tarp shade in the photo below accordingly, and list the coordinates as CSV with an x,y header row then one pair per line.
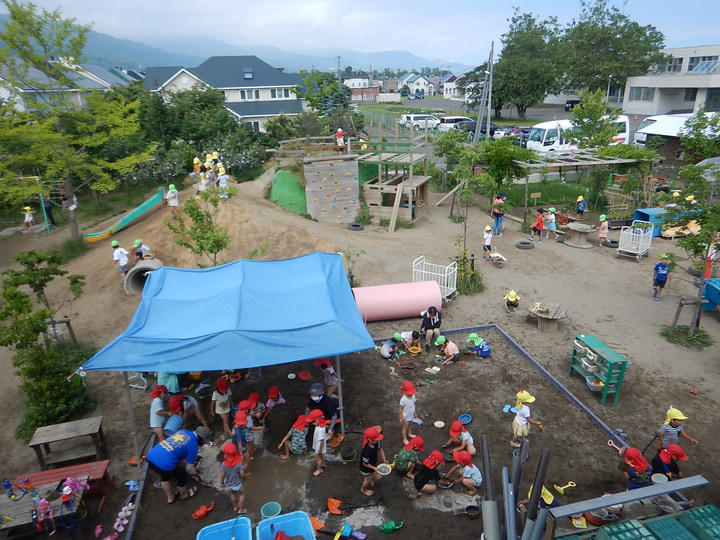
x,y
240,315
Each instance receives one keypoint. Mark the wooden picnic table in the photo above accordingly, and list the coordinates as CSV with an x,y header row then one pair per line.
x,y
57,433
96,472
20,511
548,315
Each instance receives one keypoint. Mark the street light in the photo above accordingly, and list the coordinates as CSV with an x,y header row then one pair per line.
x,y
608,90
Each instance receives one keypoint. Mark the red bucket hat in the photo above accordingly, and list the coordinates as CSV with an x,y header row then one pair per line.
x,y
409,388
254,398
456,428
221,385
315,414
372,434
463,457
274,392
635,459
321,361
158,390
416,443
232,457
433,460
245,405
241,418
672,451
300,423
176,404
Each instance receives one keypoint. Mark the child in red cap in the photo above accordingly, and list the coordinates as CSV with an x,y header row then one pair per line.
x,y
639,472
158,413
665,461
238,437
221,403
319,440
274,397
407,459
471,475
460,439
294,440
368,459
427,478
232,473
407,412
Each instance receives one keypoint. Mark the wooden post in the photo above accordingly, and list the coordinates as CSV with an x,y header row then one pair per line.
x,y
396,206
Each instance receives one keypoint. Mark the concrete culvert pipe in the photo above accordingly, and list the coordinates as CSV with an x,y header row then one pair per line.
x,y
137,275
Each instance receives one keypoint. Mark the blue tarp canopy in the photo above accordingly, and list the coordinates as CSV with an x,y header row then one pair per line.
x,y
240,315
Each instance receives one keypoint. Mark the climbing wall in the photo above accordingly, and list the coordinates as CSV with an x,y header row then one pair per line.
x,y
332,190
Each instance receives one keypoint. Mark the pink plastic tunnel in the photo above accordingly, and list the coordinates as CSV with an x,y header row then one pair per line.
x,y
398,301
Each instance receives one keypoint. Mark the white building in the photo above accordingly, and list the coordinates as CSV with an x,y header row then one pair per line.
x,y
356,80
689,80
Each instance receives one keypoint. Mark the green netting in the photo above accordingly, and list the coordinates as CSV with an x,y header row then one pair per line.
x,y
366,172
288,193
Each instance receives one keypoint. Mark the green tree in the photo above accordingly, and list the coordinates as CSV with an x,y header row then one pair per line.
x,y
605,43
701,135
198,229
591,126
449,145
500,157
43,364
471,85
528,67
280,128
315,86
56,139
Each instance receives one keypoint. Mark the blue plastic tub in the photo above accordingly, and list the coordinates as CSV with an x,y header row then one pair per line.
x,y
292,524
239,528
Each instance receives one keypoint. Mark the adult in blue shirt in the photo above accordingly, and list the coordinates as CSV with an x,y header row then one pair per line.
x,y
430,326
481,348
175,458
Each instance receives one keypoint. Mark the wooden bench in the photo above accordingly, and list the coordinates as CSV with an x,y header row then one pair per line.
x,y
98,478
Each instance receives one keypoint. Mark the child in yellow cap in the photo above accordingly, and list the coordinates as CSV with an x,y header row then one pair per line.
x,y
671,431
523,418
511,301
29,217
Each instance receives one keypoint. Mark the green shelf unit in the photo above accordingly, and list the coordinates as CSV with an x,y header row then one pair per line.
x,y
592,359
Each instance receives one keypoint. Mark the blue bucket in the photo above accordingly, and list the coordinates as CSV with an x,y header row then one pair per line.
x,y
270,510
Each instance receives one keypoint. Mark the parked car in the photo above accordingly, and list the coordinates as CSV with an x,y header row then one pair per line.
x,y
471,125
503,131
448,122
520,136
417,121
570,104
416,96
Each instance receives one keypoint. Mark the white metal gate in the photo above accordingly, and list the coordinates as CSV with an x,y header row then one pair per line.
x,y
444,276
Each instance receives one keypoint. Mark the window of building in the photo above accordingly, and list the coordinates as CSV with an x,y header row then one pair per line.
x,y
273,93
248,73
242,94
286,92
712,102
690,94
706,67
695,60
641,93
675,65
257,94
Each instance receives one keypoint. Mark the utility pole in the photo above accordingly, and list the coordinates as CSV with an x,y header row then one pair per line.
x,y
338,68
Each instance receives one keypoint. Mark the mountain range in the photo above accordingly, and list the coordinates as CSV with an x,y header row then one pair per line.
x,y
108,51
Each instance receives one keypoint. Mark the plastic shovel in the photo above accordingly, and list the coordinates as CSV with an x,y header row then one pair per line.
x,y
336,506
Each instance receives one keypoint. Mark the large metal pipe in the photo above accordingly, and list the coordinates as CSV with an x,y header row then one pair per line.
x,y
509,499
137,275
518,467
491,523
539,528
398,301
532,506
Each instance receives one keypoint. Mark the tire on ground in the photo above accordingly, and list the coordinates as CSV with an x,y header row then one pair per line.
x,y
356,226
525,244
611,244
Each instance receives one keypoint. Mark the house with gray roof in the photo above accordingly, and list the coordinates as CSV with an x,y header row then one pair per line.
x,y
254,90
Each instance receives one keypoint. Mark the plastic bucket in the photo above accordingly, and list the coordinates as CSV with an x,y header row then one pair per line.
x,y
348,454
659,478
270,510
195,375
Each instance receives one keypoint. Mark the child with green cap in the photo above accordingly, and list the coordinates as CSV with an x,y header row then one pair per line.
x,y
603,230
120,257
450,351
389,349
480,347
172,199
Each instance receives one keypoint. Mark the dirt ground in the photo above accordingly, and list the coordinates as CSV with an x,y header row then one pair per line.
x,y
607,297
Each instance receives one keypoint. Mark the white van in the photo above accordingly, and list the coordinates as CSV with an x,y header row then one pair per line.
x,y
448,122
553,136
666,125
417,121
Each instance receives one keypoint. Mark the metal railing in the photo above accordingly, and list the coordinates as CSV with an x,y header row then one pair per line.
x,y
444,276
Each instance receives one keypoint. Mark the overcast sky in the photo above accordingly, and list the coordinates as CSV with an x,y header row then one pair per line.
x,y
453,30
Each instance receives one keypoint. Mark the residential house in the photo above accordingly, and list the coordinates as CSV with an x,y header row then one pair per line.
x,y
254,90
390,85
356,80
690,79
418,84
450,88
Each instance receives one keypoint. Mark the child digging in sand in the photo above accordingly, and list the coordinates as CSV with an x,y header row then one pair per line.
x,y
232,474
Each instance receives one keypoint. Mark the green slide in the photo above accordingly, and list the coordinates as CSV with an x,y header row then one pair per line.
x,y
126,219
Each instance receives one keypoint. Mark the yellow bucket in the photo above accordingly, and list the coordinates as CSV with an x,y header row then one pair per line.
x,y
195,375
